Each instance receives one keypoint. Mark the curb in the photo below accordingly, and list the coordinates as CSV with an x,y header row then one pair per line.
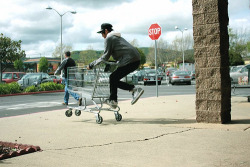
x,y
30,93
21,149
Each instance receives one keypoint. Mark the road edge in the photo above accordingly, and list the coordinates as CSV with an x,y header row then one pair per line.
x,y
30,93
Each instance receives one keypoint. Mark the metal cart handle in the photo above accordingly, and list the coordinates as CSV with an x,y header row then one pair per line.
x,y
110,62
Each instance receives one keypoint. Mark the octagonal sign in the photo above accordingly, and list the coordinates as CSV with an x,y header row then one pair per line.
x,y
154,31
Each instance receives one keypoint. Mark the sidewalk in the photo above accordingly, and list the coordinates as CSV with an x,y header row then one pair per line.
x,y
154,132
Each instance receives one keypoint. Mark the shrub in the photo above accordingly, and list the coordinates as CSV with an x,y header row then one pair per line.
x,y
60,86
14,88
4,89
48,86
31,89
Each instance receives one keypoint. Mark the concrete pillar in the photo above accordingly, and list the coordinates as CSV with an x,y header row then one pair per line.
x,y
211,44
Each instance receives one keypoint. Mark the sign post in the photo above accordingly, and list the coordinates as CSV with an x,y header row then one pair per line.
x,y
154,32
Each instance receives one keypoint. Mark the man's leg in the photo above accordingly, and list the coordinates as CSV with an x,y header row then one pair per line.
x,y
77,97
66,93
117,75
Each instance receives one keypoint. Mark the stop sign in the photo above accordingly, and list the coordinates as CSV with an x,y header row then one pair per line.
x,y
154,31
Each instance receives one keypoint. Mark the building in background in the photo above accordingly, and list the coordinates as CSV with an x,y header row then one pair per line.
x,y
32,64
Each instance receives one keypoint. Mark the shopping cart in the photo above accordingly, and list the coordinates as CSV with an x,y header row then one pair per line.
x,y
91,84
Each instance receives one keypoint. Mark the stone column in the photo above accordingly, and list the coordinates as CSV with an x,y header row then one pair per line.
x,y
211,44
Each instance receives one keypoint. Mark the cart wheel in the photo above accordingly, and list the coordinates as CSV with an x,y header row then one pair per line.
x,y
77,112
99,120
68,113
118,117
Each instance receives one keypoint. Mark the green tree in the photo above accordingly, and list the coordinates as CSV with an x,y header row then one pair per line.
x,y
237,47
10,51
43,64
143,57
87,56
18,64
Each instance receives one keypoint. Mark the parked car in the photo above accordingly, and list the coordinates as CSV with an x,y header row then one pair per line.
x,y
9,77
192,74
137,75
236,68
170,70
161,73
131,78
150,77
180,77
34,79
56,79
241,72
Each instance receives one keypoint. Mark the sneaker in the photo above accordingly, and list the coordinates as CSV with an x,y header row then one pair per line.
x,y
64,103
80,102
112,103
136,94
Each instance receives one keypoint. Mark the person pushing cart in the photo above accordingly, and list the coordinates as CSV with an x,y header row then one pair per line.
x,y
127,58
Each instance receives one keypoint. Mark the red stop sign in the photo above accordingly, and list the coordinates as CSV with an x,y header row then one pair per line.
x,y
154,31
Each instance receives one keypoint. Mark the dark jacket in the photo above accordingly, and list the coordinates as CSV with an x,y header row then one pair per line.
x,y
117,47
68,62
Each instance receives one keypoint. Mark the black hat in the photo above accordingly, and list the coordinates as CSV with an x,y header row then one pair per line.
x,y
105,26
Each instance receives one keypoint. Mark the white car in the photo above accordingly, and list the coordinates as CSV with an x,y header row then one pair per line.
x,y
240,73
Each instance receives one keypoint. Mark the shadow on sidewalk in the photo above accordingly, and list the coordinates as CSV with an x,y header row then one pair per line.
x,y
240,121
160,121
152,121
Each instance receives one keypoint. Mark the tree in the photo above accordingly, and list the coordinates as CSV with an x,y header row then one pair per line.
x,y
187,44
134,43
57,50
162,54
87,56
18,64
238,46
143,57
43,64
10,51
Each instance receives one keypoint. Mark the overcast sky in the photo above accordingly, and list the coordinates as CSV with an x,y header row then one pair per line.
x,y
39,29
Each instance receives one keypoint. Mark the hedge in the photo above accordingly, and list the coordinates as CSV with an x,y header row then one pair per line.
x,y
10,88
13,88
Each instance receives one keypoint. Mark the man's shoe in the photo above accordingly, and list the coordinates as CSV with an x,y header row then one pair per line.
x,y
64,103
112,103
136,94
80,102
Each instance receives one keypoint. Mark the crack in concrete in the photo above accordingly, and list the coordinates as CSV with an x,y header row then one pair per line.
x,y
246,129
121,142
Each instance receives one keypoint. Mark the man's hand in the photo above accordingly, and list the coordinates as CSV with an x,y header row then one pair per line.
x,y
88,68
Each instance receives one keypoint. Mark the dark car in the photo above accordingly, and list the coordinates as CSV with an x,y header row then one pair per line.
x,y
138,75
150,77
9,77
180,77
34,79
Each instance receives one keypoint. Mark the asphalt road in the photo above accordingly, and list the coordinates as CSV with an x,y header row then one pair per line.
x,y
27,104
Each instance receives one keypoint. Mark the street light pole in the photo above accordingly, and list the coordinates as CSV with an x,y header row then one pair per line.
x,y
61,15
61,40
182,47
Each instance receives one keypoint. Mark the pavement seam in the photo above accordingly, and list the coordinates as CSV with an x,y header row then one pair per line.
x,y
122,142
